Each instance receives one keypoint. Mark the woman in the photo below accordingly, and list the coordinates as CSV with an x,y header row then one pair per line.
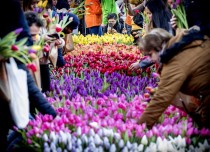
x,y
187,71
158,17
30,5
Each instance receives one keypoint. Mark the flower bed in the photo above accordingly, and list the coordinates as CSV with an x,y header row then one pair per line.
x,y
99,103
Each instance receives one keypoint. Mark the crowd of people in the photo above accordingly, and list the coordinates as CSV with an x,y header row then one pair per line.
x,y
182,55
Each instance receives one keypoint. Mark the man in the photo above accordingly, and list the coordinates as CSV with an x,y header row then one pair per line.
x,y
113,25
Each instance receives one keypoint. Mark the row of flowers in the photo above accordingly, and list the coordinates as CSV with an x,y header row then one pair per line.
x,y
111,123
116,38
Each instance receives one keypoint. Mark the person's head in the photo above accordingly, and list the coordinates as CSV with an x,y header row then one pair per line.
x,y
30,5
34,23
73,25
52,3
152,43
112,18
161,15
148,13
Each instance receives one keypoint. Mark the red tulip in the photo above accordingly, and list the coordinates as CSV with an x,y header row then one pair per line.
x,y
58,28
14,48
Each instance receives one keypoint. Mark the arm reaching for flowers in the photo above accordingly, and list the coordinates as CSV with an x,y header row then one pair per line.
x,y
172,78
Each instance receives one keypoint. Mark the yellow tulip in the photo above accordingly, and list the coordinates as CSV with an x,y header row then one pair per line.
x,y
40,3
36,47
44,4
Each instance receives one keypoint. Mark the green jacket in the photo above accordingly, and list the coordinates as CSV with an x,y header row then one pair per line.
x,y
108,6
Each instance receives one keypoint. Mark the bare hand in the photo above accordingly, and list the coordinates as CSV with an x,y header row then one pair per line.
x,y
134,66
173,22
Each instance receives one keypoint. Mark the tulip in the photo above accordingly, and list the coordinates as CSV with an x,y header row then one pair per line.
x,y
14,48
18,31
144,140
58,28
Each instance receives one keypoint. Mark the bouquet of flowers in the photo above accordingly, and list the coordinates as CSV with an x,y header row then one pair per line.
x,y
9,47
179,11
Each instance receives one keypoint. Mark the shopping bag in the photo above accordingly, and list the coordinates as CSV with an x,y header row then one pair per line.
x,y
53,55
4,85
19,104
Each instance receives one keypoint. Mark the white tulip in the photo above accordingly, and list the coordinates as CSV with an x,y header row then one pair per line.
x,y
121,143
90,139
59,149
45,137
97,140
113,148
69,146
140,148
117,136
100,132
128,144
94,125
125,149
152,148
84,139
91,132
79,131
52,146
144,140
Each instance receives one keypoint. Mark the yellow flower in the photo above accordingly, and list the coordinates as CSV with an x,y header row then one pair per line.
x,y
36,47
44,4
40,3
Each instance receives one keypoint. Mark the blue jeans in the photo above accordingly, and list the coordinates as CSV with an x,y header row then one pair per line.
x,y
96,30
60,60
128,28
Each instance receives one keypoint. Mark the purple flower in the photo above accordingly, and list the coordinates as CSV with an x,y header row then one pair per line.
x,y
18,31
31,51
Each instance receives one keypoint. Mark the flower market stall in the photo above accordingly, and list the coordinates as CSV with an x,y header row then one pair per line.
x,y
99,101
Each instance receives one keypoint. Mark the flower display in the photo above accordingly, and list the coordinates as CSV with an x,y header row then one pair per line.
x,y
115,38
99,102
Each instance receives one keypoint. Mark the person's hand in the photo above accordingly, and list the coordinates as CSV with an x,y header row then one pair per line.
x,y
58,42
173,22
134,66
124,31
48,39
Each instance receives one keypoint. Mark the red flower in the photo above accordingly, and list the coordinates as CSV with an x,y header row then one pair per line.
x,y
14,48
137,11
32,67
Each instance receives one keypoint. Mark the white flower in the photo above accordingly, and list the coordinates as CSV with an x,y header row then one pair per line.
x,y
140,148
206,144
117,136
125,149
47,149
94,125
144,140
97,140
79,142
59,149
91,132
100,149
79,131
52,136
84,139
134,146
69,146
100,132
112,148
128,144
105,132
121,143
92,145
45,137
90,139
152,147
161,146
52,146
64,137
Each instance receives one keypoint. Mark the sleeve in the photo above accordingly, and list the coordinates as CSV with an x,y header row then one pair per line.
x,y
95,8
172,78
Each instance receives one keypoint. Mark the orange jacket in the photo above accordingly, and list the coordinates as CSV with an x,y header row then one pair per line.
x,y
93,15
128,20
